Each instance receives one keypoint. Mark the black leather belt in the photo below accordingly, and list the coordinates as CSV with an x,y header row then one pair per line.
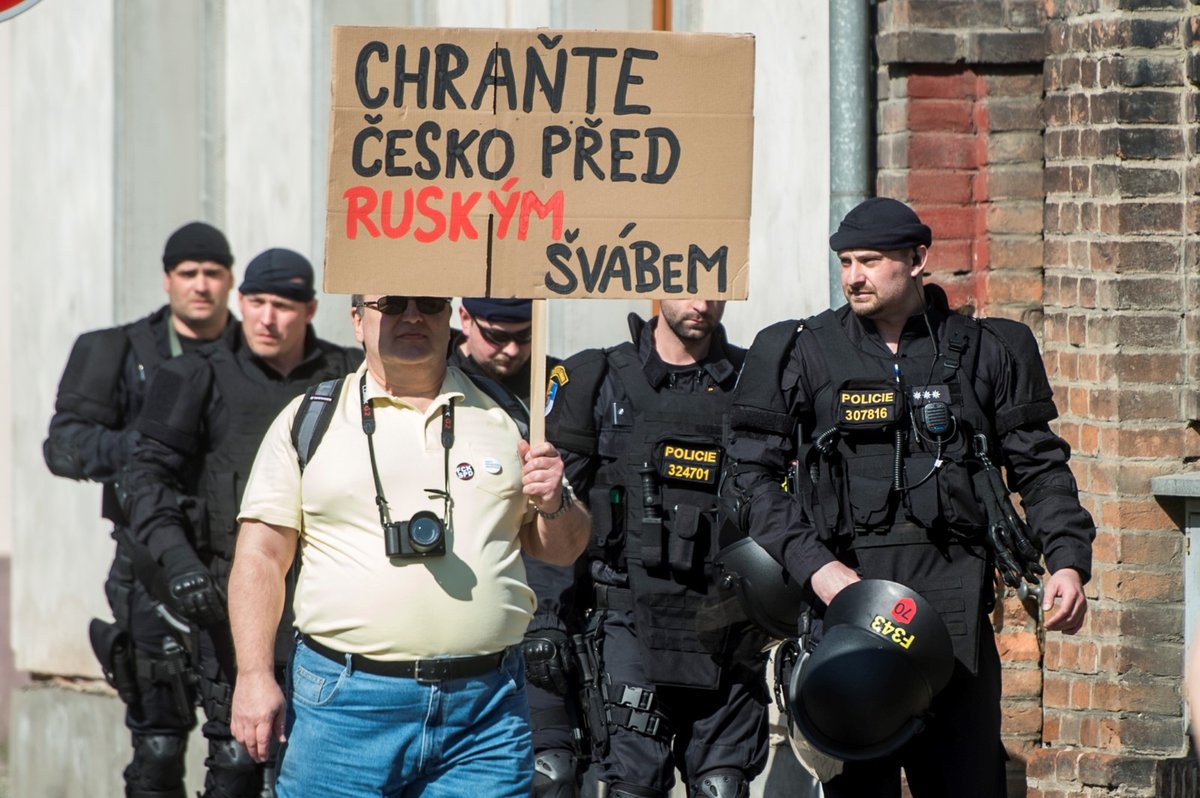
x,y
439,669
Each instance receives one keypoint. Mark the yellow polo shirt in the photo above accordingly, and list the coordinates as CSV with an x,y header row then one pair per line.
x,y
350,595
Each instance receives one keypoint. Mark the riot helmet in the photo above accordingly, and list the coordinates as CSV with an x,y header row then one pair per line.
x,y
864,690
767,593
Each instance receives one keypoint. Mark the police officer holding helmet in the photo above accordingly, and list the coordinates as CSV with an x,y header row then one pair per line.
x,y
640,427
898,411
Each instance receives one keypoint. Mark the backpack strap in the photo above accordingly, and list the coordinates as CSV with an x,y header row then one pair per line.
x,y
312,418
314,414
509,402
961,348
960,357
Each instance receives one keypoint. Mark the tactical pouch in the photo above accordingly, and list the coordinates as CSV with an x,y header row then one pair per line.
x,y
922,500
664,614
591,693
654,543
607,518
111,646
685,527
950,576
961,506
870,489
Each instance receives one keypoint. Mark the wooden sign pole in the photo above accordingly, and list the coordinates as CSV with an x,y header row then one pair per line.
x,y
537,372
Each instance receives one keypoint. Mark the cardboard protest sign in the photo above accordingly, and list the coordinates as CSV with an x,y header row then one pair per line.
x,y
516,163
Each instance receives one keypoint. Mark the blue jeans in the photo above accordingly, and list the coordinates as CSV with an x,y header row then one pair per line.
x,y
355,734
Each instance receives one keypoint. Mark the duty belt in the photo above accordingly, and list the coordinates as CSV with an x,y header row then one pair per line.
x,y
425,671
609,597
903,532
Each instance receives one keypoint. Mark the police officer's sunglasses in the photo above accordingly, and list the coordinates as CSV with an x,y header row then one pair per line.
x,y
501,338
396,305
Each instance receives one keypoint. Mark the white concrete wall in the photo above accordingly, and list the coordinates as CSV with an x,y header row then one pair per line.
x,y
789,235
6,269
268,91
61,190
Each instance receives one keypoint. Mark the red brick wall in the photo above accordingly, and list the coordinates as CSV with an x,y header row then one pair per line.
x,y
1052,146
1120,202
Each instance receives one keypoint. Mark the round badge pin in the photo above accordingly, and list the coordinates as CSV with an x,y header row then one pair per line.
x,y
464,471
492,465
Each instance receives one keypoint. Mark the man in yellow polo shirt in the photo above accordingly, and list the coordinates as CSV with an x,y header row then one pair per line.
x,y
411,600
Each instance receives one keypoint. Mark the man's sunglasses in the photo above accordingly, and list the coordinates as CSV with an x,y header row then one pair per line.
x,y
497,337
396,305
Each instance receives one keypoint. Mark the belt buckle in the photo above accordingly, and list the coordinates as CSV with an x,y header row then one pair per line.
x,y
430,671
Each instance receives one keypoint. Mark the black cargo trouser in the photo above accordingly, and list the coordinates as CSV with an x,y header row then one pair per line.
x,y
721,728
156,710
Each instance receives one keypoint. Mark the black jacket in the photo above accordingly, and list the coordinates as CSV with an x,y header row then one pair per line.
x,y
1010,383
101,392
517,382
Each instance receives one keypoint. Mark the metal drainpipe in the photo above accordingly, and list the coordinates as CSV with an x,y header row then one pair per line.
x,y
850,118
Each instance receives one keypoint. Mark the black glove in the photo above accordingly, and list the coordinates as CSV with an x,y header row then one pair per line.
x,y
191,589
127,442
548,662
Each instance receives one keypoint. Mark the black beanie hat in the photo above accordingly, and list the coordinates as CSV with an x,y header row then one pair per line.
x,y
883,224
281,272
199,242
507,310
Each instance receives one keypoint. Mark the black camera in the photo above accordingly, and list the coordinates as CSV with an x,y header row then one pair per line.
x,y
423,535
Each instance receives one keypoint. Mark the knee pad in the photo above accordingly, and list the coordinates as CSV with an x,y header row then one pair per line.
x,y
231,771
554,774
156,770
622,790
721,783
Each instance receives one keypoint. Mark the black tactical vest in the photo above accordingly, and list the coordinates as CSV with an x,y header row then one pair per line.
x,y
902,518
251,403
661,457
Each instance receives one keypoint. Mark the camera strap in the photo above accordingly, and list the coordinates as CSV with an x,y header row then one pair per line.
x,y
368,426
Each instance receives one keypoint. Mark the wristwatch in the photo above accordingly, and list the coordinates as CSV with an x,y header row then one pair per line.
x,y
568,498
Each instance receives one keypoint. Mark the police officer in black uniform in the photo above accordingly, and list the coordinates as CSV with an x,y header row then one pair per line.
x,y
92,436
496,341
203,418
903,409
495,345
640,427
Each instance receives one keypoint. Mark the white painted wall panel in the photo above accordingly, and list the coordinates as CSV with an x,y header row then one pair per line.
x,y
6,269
268,74
62,247
789,239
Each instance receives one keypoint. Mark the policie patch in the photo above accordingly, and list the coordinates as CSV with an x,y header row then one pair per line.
x,y
690,462
863,405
